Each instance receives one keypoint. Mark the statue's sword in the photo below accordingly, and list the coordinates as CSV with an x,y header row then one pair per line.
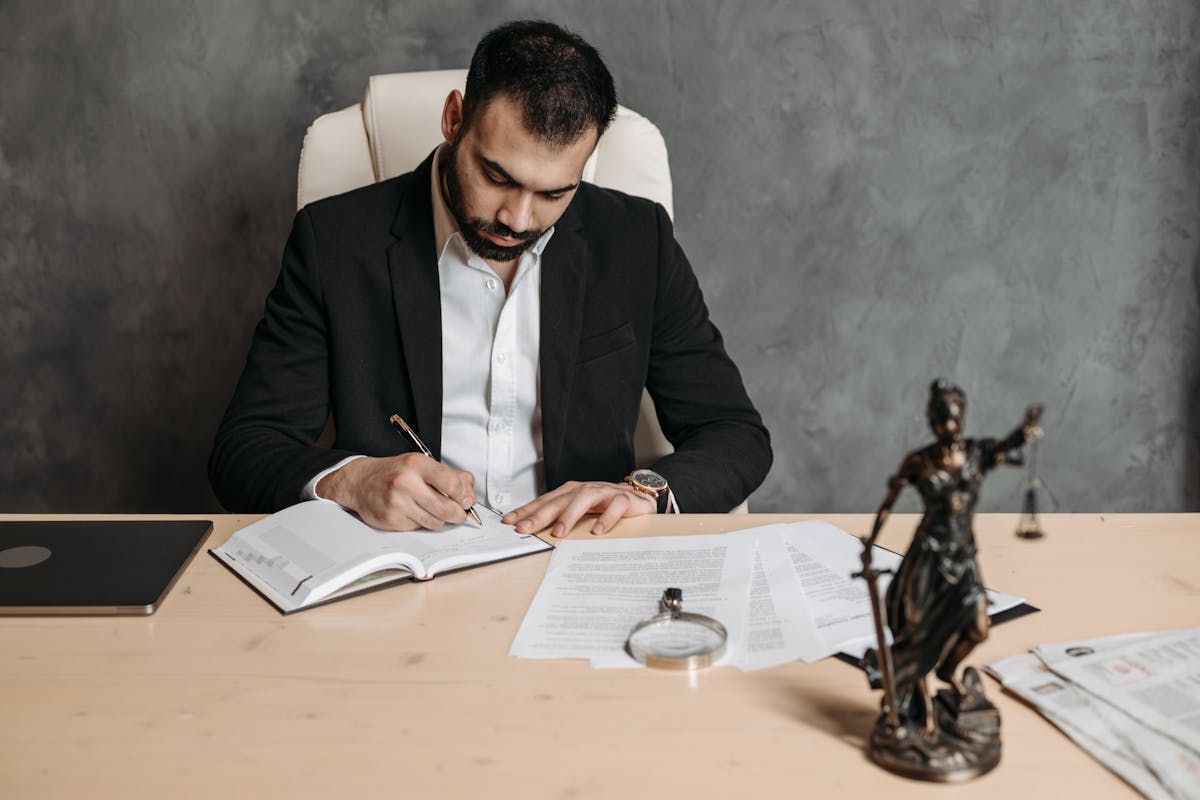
x,y
886,669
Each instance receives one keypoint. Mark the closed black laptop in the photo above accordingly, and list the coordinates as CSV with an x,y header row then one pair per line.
x,y
93,567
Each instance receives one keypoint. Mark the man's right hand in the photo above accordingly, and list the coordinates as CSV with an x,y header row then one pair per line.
x,y
401,493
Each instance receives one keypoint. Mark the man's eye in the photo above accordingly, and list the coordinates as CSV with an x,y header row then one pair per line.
x,y
554,195
497,181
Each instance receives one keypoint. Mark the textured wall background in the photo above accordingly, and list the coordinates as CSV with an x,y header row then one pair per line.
x,y
874,193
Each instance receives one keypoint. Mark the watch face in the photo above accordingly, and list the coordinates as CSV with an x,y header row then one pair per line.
x,y
651,480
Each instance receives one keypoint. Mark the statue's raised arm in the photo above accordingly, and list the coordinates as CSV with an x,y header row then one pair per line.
x,y
1008,449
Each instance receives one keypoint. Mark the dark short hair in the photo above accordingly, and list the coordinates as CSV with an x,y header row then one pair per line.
x,y
558,80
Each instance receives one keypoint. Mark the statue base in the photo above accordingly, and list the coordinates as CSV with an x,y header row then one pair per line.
x,y
963,744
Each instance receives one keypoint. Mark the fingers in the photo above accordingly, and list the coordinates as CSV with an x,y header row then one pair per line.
x,y
562,508
617,508
523,517
455,484
405,517
578,503
539,514
410,491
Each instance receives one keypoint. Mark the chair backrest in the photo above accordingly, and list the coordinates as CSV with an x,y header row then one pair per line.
x,y
398,124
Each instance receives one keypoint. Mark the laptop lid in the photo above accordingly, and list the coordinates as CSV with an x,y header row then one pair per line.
x,y
100,567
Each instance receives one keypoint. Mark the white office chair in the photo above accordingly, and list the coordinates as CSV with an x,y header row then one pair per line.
x,y
398,123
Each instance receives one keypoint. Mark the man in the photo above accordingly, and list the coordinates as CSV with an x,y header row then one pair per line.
x,y
508,312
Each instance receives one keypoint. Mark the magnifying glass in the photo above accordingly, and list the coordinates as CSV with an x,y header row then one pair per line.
x,y
676,639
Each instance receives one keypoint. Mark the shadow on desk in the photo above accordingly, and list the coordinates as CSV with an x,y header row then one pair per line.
x,y
846,719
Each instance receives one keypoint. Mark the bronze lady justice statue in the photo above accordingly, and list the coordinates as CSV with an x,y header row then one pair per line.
x,y
935,605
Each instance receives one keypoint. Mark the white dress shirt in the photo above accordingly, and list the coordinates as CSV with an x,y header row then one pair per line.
x,y
491,404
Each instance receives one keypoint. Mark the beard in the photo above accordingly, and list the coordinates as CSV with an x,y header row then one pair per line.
x,y
473,228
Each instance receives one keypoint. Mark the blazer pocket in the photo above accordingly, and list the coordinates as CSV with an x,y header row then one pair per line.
x,y
603,344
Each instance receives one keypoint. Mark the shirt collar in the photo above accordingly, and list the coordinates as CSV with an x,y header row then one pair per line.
x,y
445,227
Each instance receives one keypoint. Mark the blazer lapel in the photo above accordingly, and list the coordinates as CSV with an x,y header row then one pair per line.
x,y
564,281
416,292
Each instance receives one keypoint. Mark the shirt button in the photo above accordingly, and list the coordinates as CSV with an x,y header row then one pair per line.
x,y
500,498
491,284
501,358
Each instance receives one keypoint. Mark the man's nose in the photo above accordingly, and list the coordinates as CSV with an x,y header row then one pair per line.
x,y
517,211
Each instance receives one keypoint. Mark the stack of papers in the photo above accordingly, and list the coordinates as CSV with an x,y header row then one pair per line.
x,y
783,592
1131,701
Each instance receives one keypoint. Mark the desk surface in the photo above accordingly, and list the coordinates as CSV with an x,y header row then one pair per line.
x,y
410,691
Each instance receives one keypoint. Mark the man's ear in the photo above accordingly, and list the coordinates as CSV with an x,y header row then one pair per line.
x,y
452,115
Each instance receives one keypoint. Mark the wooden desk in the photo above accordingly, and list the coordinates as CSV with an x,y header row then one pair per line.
x,y
410,691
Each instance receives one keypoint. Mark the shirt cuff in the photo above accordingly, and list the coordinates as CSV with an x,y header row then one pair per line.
x,y
309,492
672,503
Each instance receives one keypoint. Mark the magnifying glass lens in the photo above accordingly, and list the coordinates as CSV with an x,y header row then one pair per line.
x,y
676,639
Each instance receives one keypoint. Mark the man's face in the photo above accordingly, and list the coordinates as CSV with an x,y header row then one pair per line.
x,y
504,185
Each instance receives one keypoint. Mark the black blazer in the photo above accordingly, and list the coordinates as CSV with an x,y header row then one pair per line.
x,y
353,327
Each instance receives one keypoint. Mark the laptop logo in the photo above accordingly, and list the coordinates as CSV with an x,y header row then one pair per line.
x,y
24,556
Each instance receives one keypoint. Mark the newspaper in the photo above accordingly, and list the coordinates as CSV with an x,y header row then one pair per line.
x,y
1126,700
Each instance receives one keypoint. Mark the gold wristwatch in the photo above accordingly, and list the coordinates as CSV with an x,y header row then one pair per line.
x,y
653,485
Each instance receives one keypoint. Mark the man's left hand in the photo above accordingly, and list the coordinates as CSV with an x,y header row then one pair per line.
x,y
560,509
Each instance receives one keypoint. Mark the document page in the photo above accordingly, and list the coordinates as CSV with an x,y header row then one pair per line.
x,y
595,592
824,558
780,626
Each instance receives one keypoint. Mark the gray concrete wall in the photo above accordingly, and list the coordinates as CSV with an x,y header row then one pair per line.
x,y
874,193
